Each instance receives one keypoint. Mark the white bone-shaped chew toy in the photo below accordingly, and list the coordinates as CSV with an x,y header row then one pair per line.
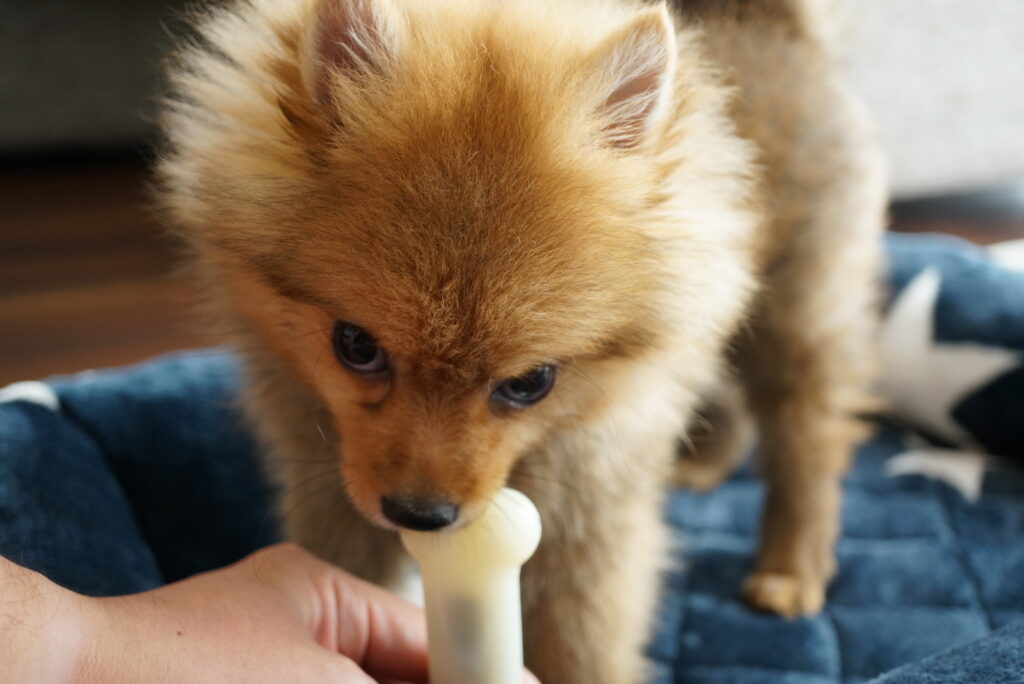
x,y
471,592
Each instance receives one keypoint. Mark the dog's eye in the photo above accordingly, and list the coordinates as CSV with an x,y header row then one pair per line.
x,y
526,389
357,349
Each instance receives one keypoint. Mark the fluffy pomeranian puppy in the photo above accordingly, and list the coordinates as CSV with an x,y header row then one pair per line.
x,y
565,246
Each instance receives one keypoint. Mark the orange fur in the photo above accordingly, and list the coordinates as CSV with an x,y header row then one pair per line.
x,y
486,187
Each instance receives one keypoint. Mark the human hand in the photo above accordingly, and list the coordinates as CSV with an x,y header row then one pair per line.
x,y
279,615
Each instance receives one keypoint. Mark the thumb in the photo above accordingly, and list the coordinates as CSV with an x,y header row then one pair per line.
x,y
362,622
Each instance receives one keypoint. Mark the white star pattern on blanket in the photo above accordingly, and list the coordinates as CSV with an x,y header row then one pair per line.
x,y
917,390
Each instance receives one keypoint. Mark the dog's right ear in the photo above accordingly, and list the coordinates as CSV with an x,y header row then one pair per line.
x,y
347,39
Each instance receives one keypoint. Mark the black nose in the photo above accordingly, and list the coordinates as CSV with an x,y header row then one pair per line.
x,y
418,514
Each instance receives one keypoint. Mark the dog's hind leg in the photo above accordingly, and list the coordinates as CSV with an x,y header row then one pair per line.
x,y
719,435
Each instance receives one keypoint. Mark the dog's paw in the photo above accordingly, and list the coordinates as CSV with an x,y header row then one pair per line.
x,y
786,595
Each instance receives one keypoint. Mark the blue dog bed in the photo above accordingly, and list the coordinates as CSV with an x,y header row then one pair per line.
x,y
119,481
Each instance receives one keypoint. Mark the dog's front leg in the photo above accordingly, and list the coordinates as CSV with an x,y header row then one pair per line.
x,y
590,590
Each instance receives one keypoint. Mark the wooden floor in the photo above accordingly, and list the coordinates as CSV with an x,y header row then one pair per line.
x,y
87,276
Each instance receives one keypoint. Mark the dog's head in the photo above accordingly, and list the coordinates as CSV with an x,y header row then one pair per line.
x,y
447,231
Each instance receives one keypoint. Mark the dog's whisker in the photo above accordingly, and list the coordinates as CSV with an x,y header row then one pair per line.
x,y
320,429
293,486
296,502
316,364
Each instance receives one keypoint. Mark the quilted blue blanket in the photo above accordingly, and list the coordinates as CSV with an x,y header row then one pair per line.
x,y
119,481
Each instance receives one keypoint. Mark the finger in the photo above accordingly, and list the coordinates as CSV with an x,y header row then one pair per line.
x,y
529,678
394,642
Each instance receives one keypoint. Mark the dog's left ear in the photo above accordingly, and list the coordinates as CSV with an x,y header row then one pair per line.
x,y
635,68
348,39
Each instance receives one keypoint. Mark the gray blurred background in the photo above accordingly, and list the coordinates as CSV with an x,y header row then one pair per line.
x,y
87,277
944,78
